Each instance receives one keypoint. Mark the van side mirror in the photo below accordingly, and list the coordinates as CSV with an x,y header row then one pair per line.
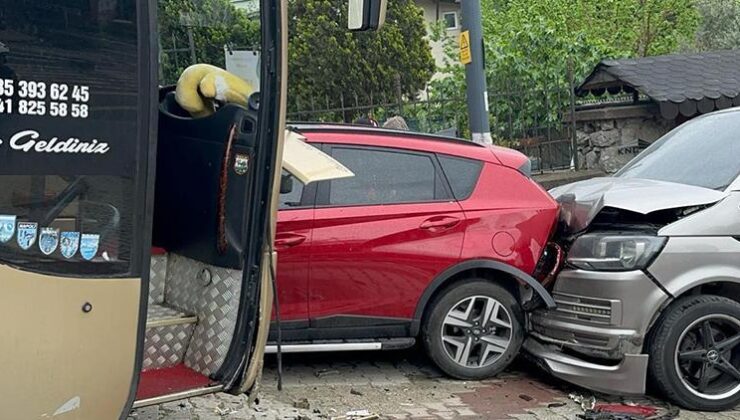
x,y
366,15
286,184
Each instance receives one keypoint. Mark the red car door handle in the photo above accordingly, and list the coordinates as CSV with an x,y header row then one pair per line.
x,y
289,239
439,223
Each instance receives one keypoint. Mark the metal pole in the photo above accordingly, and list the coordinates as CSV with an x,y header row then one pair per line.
x,y
475,75
574,126
191,41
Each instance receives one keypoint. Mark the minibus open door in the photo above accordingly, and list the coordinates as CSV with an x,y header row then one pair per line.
x,y
77,108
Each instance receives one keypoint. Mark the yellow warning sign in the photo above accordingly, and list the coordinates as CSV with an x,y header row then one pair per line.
x,y
465,56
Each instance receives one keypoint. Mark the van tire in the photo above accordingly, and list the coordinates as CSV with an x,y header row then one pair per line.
x,y
484,340
682,325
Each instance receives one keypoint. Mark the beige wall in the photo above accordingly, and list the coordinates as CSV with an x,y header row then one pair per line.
x,y
430,15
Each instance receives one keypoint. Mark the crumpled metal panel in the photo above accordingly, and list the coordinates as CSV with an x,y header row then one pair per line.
x,y
165,346
581,202
157,277
215,305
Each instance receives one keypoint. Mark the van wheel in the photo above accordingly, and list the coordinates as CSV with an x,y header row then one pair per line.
x,y
473,330
695,353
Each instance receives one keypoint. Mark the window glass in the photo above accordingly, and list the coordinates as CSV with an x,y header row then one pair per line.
x,y
704,152
462,174
224,33
69,112
450,20
292,199
385,177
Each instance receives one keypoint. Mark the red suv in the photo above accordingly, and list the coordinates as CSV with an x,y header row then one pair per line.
x,y
433,238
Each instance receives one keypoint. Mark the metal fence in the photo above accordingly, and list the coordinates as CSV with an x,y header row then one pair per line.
x,y
536,122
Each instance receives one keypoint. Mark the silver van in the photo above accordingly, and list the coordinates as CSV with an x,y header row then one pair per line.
x,y
650,291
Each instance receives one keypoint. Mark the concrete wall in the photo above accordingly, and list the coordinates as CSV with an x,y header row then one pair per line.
x,y
610,137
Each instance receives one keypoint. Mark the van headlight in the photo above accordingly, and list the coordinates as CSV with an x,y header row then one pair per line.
x,y
602,252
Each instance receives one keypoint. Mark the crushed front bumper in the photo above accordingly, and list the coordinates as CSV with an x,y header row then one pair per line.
x,y
628,377
595,336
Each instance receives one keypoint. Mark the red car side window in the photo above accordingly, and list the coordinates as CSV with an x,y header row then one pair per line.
x,y
385,177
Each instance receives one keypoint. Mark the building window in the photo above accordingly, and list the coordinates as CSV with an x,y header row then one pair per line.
x,y
450,20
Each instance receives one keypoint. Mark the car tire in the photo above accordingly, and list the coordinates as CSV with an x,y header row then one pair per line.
x,y
457,345
680,356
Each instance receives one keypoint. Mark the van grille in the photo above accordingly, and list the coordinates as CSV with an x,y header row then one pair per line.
x,y
597,311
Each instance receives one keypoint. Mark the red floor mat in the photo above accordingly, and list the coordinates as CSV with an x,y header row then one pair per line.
x,y
157,382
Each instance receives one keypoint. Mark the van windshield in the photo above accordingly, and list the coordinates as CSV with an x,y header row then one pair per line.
x,y
704,152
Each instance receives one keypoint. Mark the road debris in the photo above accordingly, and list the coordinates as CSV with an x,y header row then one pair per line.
x,y
358,415
586,403
302,404
325,372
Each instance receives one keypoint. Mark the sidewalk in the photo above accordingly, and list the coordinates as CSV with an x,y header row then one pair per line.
x,y
393,385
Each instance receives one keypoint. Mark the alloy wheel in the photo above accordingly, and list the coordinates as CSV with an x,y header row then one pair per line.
x,y
707,357
477,331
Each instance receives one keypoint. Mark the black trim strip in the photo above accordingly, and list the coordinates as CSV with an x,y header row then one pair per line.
x,y
657,283
268,130
442,278
146,172
307,127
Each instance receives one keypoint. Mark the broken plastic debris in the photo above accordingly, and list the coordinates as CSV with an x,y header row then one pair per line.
x,y
302,404
586,403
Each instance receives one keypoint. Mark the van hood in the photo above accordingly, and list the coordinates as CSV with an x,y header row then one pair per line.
x,y
581,202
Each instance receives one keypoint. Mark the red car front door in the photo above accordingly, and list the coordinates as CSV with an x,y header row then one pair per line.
x,y
293,245
380,238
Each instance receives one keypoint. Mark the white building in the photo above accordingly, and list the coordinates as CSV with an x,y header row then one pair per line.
x,y
250,6
447,11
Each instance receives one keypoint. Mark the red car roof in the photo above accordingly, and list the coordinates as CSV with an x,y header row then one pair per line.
x,y
370,136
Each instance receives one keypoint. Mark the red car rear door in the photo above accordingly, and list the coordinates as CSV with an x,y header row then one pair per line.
x,y
379,239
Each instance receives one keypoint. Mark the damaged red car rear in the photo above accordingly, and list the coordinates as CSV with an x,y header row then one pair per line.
x,y
434,239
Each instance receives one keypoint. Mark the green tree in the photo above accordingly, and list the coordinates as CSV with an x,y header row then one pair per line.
x,y
720,26
531,46
213,24
330,66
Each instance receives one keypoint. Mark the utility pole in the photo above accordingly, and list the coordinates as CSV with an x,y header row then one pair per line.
x,y
475,75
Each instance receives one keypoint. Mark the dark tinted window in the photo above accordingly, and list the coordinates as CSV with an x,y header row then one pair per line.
x,y
462,174
385,177
292,199
69,109
704,152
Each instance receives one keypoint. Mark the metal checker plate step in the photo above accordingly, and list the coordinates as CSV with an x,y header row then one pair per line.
x,y
160,316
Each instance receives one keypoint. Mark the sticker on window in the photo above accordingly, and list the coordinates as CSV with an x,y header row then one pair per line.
x,y
48,240
89,246
7,227
27,233
70,243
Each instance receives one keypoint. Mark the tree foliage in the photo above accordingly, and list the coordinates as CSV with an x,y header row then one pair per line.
x,y
720,26
532,46
213,24
328,65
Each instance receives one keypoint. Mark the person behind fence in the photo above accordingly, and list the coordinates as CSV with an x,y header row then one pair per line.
x,y
396,123
366,120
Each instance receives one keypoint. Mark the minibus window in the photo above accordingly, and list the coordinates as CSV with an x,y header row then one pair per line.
x,y
70,124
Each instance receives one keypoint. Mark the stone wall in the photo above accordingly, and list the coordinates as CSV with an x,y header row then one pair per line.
x,y
610,137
